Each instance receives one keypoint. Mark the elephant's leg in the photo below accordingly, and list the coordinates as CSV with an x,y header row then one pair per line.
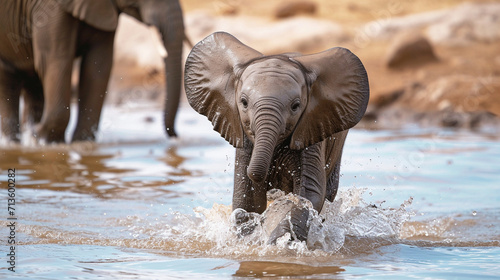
x,y
248,196
57,94
10,89
167,16
95,71
33,102
312,187
313,175
173,72
332,185
54,47
333,157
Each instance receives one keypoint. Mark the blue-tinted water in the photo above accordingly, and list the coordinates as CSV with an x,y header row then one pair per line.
x,y
412,204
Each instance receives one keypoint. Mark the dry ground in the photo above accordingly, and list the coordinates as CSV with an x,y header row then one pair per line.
x,y
478,59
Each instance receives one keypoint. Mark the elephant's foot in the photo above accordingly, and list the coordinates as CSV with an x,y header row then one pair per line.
x,y
296,225
244,223
10,131
46,136
170,131
10,134
10,138
84,135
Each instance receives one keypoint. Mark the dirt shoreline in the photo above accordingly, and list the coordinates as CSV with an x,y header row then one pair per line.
x,y
459,89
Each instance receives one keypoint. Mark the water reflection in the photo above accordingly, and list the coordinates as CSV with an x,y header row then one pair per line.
x,y
278,269
157,207
88,168
176,161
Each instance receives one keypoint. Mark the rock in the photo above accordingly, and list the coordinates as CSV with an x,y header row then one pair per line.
x,y
410,49
389,26
468,23
386,100
297,34
455,101
452,119
460,93
290,9
228,8
481,118
456,93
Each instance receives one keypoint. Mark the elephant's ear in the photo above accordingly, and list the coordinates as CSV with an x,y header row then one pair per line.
x,y
337,99
101,14
210,77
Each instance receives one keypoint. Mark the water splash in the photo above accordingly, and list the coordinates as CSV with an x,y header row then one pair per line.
x,y
347,216
211,232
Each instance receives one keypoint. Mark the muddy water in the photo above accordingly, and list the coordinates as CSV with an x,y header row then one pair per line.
x,y
413,204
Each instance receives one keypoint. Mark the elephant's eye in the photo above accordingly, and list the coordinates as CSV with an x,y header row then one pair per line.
x,y
244,102
295,105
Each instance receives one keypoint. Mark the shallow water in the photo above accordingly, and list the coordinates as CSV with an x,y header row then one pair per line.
x,y
412,204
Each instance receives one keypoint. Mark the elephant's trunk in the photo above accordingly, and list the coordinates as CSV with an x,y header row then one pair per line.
x,y
169,21
267,130
173,73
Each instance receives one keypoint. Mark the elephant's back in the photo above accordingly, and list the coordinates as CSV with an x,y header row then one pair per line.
x,y
16,47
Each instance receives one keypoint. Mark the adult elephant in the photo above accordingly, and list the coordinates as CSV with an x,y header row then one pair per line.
x,y
39,40
287,115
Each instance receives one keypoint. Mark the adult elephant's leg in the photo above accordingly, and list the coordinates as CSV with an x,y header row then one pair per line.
x,y
57,94
94,76
168,18
10,89
33,102
54,51
173,72
173,34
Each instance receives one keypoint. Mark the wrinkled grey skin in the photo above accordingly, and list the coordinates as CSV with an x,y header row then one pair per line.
x,y
39,41
287,115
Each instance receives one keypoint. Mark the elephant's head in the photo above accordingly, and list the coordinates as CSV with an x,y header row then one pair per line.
x,y
165,15
272,99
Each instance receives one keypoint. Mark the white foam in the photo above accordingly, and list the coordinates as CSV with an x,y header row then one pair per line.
x,y
348,216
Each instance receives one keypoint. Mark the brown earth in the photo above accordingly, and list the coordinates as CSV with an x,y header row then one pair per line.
x,y
477,61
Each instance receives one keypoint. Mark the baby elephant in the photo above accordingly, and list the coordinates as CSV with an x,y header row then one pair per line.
x,y
287,116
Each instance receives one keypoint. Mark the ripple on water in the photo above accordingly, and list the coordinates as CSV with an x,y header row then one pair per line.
x,y
209,231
